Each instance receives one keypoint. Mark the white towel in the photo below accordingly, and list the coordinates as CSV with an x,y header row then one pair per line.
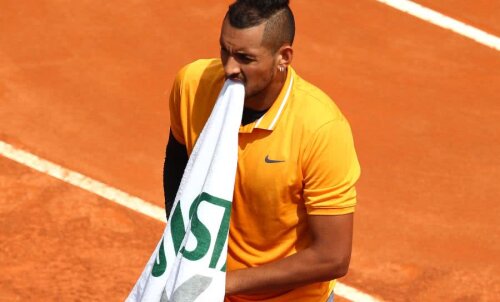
x,y
189,262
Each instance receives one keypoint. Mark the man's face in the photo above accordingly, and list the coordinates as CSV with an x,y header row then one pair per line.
x,y
245,59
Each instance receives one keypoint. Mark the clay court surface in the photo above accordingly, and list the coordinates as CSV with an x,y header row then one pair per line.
x,y
85,85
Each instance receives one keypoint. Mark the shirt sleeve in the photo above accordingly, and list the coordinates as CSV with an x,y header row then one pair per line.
x,y
174,107
330,169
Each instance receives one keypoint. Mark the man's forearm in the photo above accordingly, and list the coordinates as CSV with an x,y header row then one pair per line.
x,y
327,258
305,267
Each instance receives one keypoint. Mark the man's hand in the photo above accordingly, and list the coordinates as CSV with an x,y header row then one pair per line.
x,y
327,258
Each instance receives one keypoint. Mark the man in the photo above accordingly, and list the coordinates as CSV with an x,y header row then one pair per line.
x,y
292,215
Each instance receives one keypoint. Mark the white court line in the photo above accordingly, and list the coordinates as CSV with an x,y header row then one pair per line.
x,y
124,199
441,20
353,294
82,181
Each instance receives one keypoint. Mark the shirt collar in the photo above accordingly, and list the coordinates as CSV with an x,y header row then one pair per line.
x,y
270,119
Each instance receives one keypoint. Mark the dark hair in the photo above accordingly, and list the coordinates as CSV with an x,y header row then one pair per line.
x,y
280,26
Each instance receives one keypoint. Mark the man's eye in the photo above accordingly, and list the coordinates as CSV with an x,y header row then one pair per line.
x,y
244,59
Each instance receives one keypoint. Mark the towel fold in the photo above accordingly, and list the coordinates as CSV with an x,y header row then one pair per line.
x,y
189,262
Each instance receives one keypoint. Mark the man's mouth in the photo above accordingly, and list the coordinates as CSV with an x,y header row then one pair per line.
x,y
236,79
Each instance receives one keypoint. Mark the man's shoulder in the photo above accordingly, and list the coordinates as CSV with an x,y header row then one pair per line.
x,y
314,104
201,69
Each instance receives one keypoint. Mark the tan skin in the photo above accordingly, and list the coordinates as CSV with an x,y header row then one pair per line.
x,y
246,58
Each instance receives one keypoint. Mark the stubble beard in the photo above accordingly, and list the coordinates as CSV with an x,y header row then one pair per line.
x,y
255,97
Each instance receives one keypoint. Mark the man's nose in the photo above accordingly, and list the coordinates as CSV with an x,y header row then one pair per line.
x,y
232,67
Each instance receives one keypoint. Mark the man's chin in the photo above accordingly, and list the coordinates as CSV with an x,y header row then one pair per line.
x,y
249,98
248,94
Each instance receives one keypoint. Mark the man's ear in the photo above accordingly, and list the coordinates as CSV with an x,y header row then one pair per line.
x,y
285,55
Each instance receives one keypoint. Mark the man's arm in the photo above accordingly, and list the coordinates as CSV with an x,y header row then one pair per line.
x,y
327,258
176,159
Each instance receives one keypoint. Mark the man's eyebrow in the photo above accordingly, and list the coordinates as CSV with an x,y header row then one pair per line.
x,y
245,53
240,52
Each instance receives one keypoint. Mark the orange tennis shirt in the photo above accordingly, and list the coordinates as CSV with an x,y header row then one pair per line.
x,y
298,159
